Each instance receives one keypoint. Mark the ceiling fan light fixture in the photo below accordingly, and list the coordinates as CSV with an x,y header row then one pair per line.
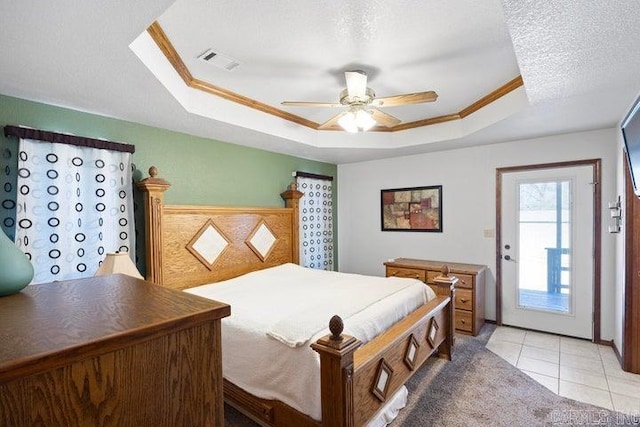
x,y
357,119
364,120
348,122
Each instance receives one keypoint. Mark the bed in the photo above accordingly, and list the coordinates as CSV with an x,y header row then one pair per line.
x,y
191,246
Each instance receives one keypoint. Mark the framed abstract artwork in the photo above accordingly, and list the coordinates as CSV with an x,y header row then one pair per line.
x,y
412,209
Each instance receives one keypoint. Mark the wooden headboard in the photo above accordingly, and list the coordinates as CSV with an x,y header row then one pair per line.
x,y
188,246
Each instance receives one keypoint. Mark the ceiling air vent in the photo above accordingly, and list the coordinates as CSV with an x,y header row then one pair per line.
x,y
219,60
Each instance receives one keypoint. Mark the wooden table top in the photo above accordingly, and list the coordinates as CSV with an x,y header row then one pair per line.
x,y
55,323
436,265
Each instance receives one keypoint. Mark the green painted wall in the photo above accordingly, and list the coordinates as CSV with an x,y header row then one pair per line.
x,y
201,171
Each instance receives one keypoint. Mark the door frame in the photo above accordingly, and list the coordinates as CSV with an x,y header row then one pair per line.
x,y
596,165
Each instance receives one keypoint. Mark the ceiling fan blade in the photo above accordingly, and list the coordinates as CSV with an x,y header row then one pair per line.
x,y
311,104
356,83
406,99
383,118
332,122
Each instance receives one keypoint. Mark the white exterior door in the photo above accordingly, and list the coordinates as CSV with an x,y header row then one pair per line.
x,y
547,248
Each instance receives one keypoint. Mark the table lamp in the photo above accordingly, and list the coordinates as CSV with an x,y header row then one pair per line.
x,y
118,262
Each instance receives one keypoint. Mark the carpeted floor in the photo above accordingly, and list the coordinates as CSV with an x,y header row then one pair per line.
x,y
479,388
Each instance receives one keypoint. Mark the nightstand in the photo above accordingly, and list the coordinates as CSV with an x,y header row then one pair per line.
x,y
469,290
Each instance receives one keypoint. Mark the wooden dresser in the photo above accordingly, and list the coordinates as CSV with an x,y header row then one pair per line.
x,y
469,291
110,351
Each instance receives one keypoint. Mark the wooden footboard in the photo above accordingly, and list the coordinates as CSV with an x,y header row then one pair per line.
x,y
353,384
358,380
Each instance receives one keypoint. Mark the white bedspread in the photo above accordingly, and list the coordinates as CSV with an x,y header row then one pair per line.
x,y
265,341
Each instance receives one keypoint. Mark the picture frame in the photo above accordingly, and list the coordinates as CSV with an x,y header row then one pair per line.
x,y
412,209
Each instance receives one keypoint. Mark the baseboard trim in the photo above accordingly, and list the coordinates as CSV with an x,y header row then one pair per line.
x,y
616,351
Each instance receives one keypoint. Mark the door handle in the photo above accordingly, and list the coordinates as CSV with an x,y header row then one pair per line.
x,y
508,258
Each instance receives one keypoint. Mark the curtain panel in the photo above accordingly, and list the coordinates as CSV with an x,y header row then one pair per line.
x,y
74,204
8,179
316,221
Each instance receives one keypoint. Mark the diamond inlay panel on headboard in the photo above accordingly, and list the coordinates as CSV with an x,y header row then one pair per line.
x,y
262,240
208,244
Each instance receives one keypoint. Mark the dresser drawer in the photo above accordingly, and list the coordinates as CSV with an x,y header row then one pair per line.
x,y
464,299
464,281
464,320
413,273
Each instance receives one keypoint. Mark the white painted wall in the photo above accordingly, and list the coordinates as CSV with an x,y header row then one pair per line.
x,y
468,180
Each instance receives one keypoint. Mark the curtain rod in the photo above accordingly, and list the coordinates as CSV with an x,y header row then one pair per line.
x,y
313,176
63,138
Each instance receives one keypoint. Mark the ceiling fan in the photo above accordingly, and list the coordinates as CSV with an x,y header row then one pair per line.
x,y
364,108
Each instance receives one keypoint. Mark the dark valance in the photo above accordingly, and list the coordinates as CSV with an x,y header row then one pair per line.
x,y
314,176
61,138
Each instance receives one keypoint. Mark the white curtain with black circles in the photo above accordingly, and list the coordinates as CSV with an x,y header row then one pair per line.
x,y
74,204
316,223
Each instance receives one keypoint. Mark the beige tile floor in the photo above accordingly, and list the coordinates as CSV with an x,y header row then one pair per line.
x,y
570,367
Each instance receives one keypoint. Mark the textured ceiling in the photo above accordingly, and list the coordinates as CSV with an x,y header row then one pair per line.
x,y
579,62
571,48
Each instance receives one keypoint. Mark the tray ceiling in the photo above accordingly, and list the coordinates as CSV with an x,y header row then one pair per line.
x,y
576,62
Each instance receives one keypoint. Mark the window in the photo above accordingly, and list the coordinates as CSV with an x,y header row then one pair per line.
x,y
73,202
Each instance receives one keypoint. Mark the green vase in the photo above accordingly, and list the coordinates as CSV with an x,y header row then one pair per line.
x,y
16,270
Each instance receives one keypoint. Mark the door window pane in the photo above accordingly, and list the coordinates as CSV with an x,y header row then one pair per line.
x,y
544,240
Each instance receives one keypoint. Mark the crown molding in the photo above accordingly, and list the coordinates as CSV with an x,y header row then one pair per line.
x,y
164,44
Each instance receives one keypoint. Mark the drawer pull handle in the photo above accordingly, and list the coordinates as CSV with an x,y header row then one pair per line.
x,y
462,321
417,276
463,300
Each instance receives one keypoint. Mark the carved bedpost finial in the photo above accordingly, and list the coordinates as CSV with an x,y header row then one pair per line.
x,y
291,194
152,183
336,326
445,270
